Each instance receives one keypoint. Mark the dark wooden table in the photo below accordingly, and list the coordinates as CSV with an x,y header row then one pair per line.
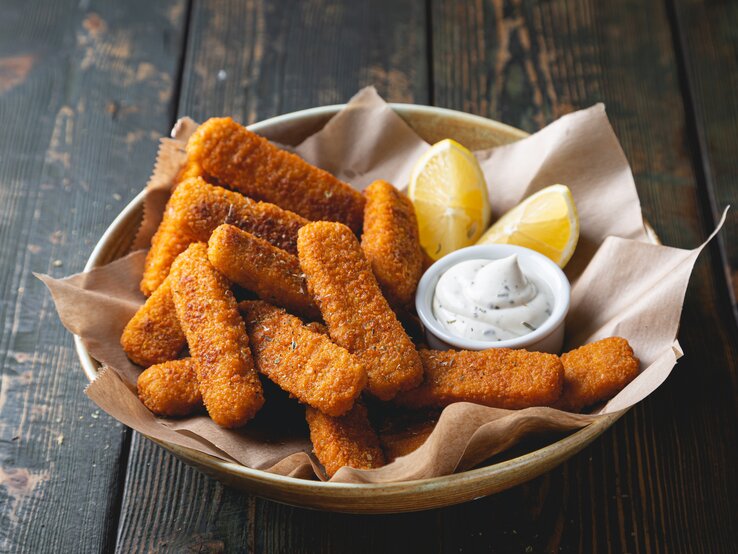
x,y
88,86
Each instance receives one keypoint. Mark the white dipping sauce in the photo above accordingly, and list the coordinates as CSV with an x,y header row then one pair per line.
x,y
491,300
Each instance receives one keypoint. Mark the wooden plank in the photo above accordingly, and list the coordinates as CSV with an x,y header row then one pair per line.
x,y
171,507
83,91
708,48
662,479
257,59
253,60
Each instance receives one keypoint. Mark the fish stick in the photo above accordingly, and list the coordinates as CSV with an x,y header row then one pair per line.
x,y
348,440
197,208
154,335
189,170
302,362
596,372
170,389
216,335
391,242
358,317
201,207
231,155
498,377
273,274
168,242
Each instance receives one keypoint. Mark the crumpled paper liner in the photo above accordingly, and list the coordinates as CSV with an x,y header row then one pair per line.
x,y
621,285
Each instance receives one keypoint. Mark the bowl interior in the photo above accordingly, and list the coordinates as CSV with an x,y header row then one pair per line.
x,y
432,124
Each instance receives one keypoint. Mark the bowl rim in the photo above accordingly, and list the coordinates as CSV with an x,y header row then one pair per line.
x,y
559,450
424,298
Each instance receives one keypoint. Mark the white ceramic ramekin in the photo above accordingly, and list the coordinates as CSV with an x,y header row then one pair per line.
x,y
549,337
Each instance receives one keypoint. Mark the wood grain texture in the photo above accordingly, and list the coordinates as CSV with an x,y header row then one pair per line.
x,y
644,485
707,44
83,88
253,60
170,507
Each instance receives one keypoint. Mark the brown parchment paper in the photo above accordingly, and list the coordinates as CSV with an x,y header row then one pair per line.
x,y
621,285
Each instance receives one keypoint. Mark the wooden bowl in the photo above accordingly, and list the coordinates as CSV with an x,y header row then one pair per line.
x,y
432,124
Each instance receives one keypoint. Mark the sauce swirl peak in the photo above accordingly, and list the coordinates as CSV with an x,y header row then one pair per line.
x,y
491,300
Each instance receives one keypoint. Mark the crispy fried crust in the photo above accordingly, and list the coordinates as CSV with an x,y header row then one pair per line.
x,y
154,335
317,327
196,209
217,338
170,389
256,265
233,156
358,317
596,372
168,242
302,362
348,440
498,377
391,243
201,207
189,171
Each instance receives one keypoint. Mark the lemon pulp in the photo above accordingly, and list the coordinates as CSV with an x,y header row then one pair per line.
x,y
546,222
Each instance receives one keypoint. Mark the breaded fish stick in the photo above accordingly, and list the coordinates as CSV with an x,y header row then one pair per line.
x,y
196,209
596,372
170,389
168,242
154,335
391,243
201,207
358,317
348,440
217,338
498,377
189,170
302,362
232,156
256,265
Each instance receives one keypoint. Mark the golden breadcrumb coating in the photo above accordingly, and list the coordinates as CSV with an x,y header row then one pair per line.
x,y
348,440
391,242
273,274
154,335
498,377
170,389
189,171
596,372
201,207
358,317
197,208
217,338
168,242
317,327
232,156
302,362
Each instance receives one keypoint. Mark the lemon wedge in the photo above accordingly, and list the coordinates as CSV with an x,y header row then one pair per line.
x,y
450,197
546,222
